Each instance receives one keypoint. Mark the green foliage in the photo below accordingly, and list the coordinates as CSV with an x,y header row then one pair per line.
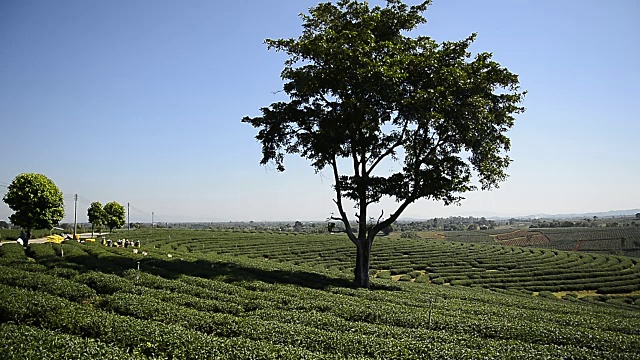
x,y
220,297
409,235
97,215
104,283
36,201
114,215
26,342
11,253
14,234
45,283
360,89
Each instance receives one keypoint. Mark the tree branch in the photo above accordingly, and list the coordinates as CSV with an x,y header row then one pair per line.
x,y
381,225
380,217
431,152
391,149
356,172
338,201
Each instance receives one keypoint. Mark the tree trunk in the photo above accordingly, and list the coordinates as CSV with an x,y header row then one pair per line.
x,y
91,229
362,263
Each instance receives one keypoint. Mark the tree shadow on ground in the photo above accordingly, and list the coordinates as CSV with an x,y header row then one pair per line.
x,y
227,271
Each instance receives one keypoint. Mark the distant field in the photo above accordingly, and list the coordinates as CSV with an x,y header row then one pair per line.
x,y
612,240
240,295
12,234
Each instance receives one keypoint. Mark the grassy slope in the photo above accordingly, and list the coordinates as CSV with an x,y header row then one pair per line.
x,y
240,295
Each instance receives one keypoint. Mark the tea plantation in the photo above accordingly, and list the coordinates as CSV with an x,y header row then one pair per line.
x,y
243,295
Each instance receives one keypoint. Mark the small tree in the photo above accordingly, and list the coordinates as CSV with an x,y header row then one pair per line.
x,y
37,202
363,95
114,215
96,215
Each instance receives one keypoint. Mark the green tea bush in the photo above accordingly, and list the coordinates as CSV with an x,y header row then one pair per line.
x,y
66,273
148,338
45,283
399,271
42,251
12,252
103,283
25,342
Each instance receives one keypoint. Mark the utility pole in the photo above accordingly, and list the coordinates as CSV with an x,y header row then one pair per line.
x,y
128,222
152,219
75,216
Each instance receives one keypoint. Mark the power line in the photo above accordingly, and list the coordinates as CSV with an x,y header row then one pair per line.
x,y
84,203
80,197
138,210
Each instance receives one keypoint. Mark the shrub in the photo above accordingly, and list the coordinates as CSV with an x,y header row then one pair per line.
x,y
103,283
12,252
547,294
25,342
46,283
66,273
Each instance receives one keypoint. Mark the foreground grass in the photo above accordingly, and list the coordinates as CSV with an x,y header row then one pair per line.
x,y
209,300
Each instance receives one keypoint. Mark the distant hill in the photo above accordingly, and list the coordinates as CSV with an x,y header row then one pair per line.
x,y
605,214
602,214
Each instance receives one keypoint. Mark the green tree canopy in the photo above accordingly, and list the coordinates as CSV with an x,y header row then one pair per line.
x,y
362,93
96,215
114,215
37,202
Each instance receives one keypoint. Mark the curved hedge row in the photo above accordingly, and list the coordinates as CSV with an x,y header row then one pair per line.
x,y
467,264
206,305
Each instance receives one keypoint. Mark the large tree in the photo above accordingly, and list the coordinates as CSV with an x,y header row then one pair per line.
x,y
37,202
114,215
364,94
96,215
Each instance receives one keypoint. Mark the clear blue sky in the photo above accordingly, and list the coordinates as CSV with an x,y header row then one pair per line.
x,y
140,101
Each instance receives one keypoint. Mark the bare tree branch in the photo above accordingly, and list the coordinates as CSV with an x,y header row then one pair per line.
x,y
391,149
338,201
391,218
380,217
